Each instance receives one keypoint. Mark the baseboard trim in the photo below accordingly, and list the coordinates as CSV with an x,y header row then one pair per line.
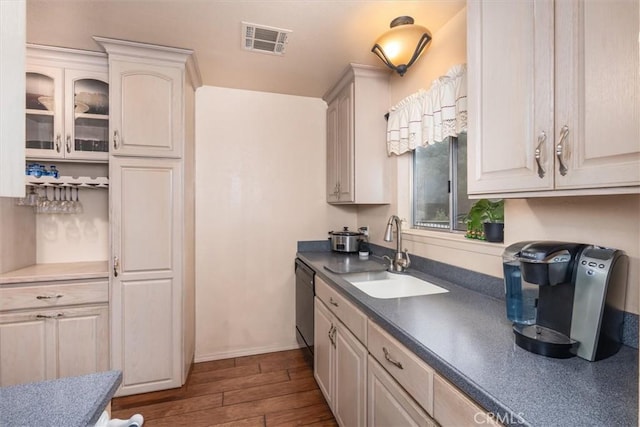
x,y
244,352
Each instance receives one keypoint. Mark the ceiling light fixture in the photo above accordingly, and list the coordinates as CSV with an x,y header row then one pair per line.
x,y
399,47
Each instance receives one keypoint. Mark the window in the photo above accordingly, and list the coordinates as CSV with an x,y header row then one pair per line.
x,y
440,198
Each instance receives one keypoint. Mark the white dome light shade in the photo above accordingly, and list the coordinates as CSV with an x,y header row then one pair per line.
x,y
399,47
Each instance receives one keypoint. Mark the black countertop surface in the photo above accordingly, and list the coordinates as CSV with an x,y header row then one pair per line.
x,y
466,337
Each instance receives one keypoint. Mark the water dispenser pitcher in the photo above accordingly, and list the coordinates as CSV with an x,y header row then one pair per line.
x,y
520,296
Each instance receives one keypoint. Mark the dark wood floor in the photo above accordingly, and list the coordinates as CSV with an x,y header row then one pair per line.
x,y
274,389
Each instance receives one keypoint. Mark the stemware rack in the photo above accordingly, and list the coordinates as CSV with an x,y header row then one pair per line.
x,y
68,181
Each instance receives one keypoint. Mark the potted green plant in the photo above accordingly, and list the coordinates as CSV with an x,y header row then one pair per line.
x,y
493,221
485,220
473,219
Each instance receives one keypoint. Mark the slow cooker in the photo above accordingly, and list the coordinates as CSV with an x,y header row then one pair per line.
x,y
345,240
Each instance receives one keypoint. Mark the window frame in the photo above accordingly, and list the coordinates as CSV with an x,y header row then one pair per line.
x,y
452,191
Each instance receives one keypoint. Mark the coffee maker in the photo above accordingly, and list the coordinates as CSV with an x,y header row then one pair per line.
x,y
580,302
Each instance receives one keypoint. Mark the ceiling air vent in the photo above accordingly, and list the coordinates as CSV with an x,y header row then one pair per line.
x,y
260,38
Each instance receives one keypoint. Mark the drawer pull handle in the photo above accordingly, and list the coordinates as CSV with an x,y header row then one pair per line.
x,y
389,359
332,302
49,296
49,316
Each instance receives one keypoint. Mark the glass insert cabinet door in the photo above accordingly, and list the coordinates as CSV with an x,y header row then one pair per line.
x,y
89,122
67,114
44,113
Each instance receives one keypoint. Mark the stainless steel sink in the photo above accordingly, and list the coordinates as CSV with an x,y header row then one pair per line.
x,y
386,285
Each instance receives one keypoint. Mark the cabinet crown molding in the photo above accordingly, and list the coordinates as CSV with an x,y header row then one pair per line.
x,y
143,51
65,57
349,73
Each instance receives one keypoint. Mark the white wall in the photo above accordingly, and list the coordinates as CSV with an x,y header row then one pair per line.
x,y
612,221
260,187
76,237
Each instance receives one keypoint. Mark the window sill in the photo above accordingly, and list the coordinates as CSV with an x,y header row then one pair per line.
x,y
453,241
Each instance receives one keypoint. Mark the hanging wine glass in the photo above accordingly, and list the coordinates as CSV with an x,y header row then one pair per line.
x,y
77,205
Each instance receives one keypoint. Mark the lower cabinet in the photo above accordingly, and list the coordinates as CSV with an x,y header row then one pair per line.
x,y
340,367
451,407
369,378
53,329
61,342
388,404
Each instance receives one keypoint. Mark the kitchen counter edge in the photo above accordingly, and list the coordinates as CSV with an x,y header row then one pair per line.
x,y
56,272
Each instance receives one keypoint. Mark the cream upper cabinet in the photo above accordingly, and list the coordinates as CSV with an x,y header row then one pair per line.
x,y
147,104
560,116
147,98
67,104
356,146
12,85
340,184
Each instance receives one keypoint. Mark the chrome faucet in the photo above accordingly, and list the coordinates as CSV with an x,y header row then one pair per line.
x,y
401,260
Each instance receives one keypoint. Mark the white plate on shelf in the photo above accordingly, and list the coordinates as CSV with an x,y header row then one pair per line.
x,y
47,101
81,107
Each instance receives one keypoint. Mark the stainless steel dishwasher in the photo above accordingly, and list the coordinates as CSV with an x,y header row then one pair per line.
x,y
305,291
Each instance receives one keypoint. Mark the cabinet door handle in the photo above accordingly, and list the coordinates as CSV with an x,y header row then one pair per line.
x,y
115,139
49,316
68,144
116,266
49,296
564,132
58,143
542,138
335,331
333,343
389,359
332,302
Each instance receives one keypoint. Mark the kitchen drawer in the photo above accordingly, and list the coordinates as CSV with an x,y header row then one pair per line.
x,y
389,404
453,408
415,376
353,319
53,294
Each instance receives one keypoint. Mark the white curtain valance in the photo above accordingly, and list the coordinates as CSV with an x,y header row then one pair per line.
x,y
429,116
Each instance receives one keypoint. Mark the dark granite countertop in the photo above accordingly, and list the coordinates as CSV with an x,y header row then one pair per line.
x,y
465,336
70,402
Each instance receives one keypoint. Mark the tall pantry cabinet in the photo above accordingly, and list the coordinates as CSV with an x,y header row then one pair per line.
x,y
151,168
